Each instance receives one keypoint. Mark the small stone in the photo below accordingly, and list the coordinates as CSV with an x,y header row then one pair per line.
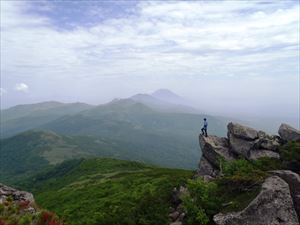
x,y
176,223
173,216
181,217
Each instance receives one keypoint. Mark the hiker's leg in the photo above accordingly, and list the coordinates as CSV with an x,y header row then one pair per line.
x,y
205,132
202,129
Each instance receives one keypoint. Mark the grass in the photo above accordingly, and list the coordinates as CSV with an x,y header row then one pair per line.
x,y
290,155
107,191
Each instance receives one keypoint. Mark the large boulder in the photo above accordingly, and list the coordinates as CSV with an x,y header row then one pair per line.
x,y
262,153
288,133
272,206
214,148
267,142
242,132
241,138
252,144
293,180
239,146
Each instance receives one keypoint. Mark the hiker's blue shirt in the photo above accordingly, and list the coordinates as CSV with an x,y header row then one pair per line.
x,y
205,124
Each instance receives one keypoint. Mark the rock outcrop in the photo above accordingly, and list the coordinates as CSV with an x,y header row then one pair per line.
x,y
214,148
18,196
288,133
252,144
205,168
19,207
278,203
241,142
273,206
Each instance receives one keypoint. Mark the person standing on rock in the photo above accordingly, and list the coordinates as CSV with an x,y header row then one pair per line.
x,y
204,128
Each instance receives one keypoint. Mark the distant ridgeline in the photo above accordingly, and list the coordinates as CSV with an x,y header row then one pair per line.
x,y
142,128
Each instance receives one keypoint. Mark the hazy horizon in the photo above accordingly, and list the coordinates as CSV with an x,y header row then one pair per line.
x,y
230,58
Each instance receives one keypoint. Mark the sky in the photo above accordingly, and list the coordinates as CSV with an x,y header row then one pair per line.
x,y
226,57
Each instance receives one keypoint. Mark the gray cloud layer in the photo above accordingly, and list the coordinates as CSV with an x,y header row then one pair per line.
x,y
226,56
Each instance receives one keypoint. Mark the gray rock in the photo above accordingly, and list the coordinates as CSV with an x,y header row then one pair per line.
x,y
242,132
240,146
268,143
288,133
244,139
205,168
181,217
272,206
207,178
6,191
293,180
176,223
174,215
214,148
261,134
260,153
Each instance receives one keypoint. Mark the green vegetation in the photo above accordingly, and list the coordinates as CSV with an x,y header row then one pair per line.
x,y
122,129
107,191
233,191
25,213
25,154
290,155
32,151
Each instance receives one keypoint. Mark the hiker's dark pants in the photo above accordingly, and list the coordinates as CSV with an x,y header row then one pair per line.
x,y
204,131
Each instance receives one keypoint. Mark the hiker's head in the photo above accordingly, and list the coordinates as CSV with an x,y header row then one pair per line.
x,y
205,119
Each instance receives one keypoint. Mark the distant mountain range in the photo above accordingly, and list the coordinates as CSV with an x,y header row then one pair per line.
x,y
143,128
40,115
24,117
170,97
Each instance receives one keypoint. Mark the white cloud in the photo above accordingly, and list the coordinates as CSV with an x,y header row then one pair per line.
x,y
169,41
21,87
170,35
2,91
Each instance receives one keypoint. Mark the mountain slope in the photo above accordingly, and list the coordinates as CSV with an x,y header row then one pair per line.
x,y
126,115
106,191
29,152
123,129
170,97
32,151
167,139
24,117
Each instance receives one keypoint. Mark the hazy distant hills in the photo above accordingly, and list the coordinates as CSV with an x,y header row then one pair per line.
x,y
163,105
24,117
170,97
142,128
